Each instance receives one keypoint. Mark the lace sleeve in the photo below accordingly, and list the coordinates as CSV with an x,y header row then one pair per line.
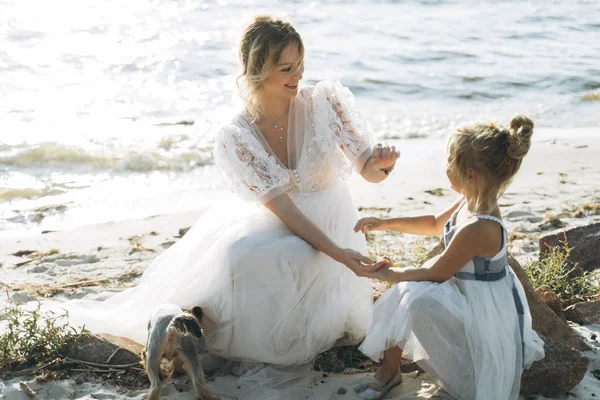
x,y
249,171
352,134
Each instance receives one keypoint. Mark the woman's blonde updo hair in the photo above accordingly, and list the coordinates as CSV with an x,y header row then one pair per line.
x,y
261,46
493,152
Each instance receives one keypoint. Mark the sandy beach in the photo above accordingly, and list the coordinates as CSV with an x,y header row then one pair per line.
x,y
559,176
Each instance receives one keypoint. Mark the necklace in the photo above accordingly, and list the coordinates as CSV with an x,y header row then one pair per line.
x,y
275,125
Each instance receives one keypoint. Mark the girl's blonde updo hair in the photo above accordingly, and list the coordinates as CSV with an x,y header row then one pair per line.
x,y
493,152
261,46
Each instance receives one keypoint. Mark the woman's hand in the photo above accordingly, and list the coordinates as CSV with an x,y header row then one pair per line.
x,y
380,163
382,271
359,264
370,224
385,157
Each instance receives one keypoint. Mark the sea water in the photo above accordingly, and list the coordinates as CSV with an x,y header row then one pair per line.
x,y
108,109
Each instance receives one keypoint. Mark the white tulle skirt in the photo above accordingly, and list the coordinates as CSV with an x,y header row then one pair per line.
x,y
465,334
276,300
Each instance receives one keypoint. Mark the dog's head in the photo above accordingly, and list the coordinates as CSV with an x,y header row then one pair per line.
x,y
188,323
198,313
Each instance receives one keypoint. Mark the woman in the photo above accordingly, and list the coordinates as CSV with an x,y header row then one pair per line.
x,y
275,274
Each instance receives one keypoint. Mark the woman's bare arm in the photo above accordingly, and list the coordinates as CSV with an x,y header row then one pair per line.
x,y
284,208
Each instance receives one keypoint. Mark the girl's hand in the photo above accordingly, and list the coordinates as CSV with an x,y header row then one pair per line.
x,y
383,272
359,264
370,224
385,157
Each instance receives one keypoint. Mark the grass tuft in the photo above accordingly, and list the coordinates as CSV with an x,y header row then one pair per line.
x,y
32,337
569,284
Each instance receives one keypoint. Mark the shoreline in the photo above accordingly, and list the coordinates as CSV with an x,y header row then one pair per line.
x,y
60,213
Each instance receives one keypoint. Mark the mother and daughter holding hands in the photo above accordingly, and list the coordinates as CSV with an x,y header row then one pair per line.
x,y
281,276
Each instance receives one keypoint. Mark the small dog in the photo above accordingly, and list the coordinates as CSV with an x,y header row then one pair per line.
x,y
170,336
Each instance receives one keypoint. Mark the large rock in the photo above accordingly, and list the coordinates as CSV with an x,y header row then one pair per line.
x,y
584,313
558,372
105,349
544,320
584,242
551,299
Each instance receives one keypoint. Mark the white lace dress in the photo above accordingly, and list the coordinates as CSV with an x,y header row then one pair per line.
x,y
472,333
276,300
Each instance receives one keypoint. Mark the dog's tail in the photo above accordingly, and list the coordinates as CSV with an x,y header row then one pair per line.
x,y
188,324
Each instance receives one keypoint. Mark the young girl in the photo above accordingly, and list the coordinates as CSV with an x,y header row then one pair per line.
x,y
463,316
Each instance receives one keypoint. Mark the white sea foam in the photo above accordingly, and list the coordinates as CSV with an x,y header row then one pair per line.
x,y
51,155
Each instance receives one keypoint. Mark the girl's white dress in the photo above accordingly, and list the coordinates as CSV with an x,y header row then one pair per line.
x,y
276,300
472,333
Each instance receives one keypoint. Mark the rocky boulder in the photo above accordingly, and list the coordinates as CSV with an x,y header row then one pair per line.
x,y
558,372
584,242
546,294
105,349
584,313
544,320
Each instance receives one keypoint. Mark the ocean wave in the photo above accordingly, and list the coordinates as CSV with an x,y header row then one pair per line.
x,y
472,78
530,35
183,122
580,83
182,161
161,159
591,97
479,95
50,153
8,194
